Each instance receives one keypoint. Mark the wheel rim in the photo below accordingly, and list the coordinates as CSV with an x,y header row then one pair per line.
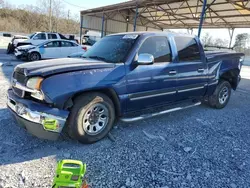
x,y
95,119
34,57
223,95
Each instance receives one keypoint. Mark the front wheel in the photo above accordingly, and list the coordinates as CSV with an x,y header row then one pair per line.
x,y
34,56
91,117
221,95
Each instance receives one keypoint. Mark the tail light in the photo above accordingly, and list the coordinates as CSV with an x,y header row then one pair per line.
x,y
84,48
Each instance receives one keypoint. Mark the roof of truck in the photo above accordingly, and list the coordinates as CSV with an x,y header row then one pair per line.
x,y
152,33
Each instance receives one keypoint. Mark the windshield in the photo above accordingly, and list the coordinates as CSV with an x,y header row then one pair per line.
x,y
113,49
30,36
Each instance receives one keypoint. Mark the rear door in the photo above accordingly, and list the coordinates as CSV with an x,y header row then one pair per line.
x,y
68,48
52,36
51,50
191,68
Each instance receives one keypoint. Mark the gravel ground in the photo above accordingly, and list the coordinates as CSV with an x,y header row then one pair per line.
x,y
198,147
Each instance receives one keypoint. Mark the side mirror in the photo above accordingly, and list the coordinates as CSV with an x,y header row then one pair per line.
x,y
145,59
45,45
35,38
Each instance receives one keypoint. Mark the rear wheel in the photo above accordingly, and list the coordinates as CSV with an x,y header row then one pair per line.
x,y
91,117
34,56
221,95
8,49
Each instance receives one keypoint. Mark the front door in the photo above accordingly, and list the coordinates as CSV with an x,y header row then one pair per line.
x,y
152,85
39,38
191,68
51,50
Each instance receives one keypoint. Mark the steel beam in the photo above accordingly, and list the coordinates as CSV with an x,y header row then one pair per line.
x,y
103,20
81,22
231,34
136,13
202,17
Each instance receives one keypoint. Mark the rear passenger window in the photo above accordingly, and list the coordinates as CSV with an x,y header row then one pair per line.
x,y
53,44
66,44
188,49
52,36
158,47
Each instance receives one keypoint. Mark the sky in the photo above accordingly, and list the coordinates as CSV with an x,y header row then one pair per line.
x,y
76,5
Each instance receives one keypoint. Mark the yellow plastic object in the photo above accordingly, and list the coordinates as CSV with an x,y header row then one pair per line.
x,y
50,124
69,174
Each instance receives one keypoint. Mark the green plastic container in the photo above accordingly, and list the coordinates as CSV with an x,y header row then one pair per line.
x,y
69,174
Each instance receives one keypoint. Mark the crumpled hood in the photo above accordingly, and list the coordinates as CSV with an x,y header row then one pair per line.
x,y
25,47
56,66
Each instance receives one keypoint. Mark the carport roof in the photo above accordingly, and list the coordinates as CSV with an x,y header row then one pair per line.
x,y
174,14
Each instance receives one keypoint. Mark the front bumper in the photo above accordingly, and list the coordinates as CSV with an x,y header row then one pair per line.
x,y
20,54
35,116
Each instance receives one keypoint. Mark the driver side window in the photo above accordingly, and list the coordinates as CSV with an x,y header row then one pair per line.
x,y
158,47
40,36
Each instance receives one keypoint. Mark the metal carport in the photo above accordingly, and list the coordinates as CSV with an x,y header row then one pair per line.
x,y
157,15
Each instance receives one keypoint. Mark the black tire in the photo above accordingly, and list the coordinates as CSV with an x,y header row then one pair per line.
x,y
34,56
215,100
77,122
9,49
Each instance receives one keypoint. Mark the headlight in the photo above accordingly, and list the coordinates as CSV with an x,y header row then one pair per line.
x,y
34,83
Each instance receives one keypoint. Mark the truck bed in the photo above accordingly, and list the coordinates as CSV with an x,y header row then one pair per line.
x,y
219,55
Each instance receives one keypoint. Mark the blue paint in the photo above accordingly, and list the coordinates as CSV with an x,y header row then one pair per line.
x,y
202,16
41,49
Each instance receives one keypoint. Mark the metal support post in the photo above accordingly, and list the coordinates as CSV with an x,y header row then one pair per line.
x,y
105,31
81,22
202,17
103,19
136,14
231,34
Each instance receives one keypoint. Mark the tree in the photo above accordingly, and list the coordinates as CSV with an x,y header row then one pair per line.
x,y
28,18
207,40
57,11
221,42
241,41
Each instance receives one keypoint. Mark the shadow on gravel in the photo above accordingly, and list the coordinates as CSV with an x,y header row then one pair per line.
x,y
17,145
7,71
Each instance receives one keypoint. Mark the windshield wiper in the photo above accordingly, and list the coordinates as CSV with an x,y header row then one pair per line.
x,y
100,58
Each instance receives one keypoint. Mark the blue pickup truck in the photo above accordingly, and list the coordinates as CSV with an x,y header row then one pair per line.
x,y
126,76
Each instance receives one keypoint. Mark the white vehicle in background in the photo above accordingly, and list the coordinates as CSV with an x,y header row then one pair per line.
x,y
88,41
41,37
15,40
48,50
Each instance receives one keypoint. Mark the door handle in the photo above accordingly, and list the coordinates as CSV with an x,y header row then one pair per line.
x,y
201,70
172,72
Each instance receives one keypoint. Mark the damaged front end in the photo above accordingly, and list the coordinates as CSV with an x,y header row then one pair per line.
x,y
38,117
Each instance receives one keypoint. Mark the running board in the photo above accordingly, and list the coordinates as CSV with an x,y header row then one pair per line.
x,y
146,116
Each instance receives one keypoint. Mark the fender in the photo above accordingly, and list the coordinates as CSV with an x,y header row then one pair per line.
x,y
62,88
